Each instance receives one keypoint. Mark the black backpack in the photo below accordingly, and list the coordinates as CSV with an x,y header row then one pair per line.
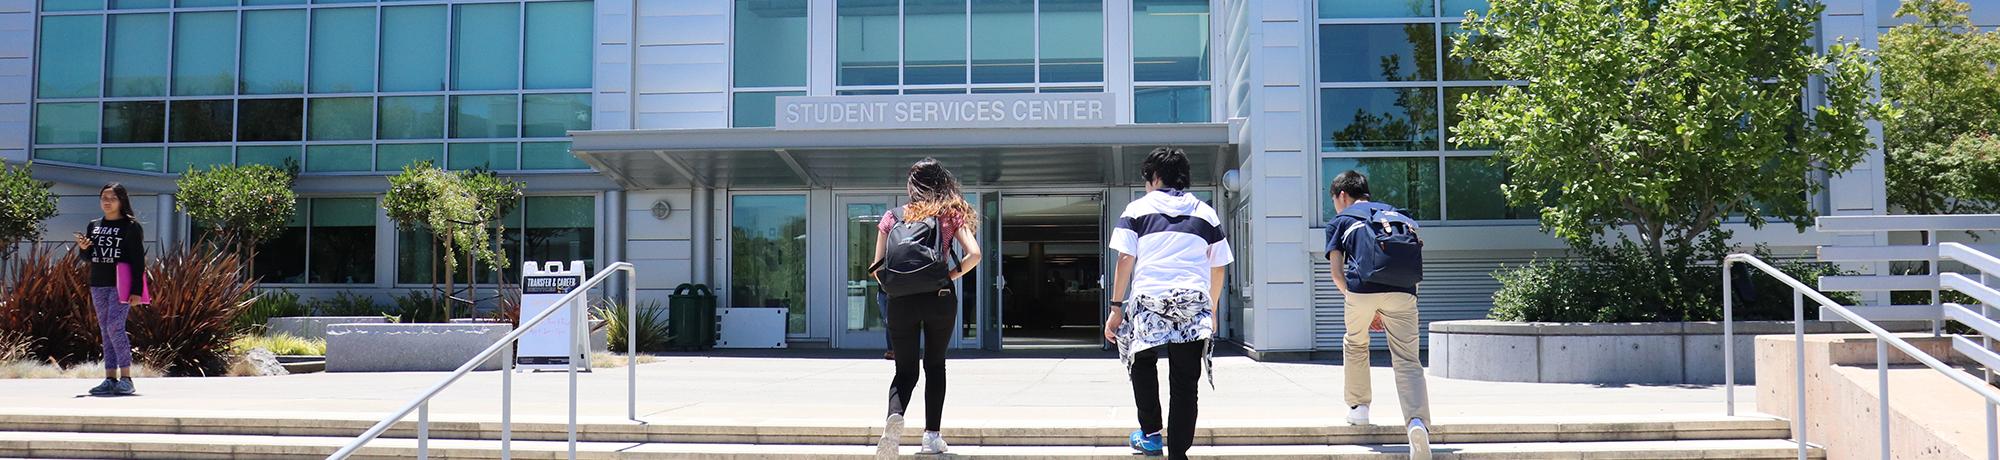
x,y
915,257
1386,249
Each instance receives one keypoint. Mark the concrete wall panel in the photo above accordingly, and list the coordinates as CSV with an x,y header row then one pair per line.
x,y
1634,359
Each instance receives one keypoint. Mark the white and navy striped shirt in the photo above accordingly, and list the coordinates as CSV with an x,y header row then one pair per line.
x,y
1176,238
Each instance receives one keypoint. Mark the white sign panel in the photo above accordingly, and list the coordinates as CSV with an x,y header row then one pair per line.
x,y
1050,110
547,345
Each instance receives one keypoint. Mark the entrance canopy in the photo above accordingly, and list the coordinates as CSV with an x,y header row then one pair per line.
x,y
878,158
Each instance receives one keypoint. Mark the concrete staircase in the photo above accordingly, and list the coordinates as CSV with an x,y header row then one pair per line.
x,y
64,436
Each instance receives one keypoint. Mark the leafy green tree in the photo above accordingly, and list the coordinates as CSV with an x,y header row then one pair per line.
x,y
1666,116
461,211
239,206
1938,72
24,204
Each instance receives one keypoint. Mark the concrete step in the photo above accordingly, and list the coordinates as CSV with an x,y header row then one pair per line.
x,y
146,446
1054,433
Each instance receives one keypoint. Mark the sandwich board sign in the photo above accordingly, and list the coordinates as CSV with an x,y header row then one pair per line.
x,y
547,345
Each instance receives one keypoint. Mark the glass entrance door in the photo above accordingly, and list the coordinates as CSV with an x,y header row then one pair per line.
x,y
860,310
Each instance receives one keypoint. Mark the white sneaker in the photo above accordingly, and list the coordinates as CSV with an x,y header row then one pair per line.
x,y
1358,415
890,445
1420,440
933,444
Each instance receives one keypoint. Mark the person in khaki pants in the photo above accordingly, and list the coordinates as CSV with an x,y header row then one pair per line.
x,y
1392,309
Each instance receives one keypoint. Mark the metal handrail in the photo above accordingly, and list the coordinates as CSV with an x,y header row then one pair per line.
x,y
1883,340
421,404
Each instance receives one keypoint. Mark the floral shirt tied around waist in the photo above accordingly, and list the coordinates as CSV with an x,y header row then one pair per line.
x,y
1174,316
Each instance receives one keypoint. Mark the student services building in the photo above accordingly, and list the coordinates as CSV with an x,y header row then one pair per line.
x,y
751,144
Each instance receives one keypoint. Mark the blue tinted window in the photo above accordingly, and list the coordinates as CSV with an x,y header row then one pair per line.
x,y
767,241
269,119
1170,40
205,53
343,50
486,47
549,155
554,115
489,155
866,45
1457,8
72,54
73,5
1466,69
1003,42
559,51
413,48
136,64
1409,184
1375,8
269,155
1377,52
933,42
1184,104
274,52
85,156
204,3
412,117
340,118
339,158
138,4
393,157
184,159
202,120
1072,45
756,110
135,122
1374,119
770,43
134,158
68,123
1472,186
485,116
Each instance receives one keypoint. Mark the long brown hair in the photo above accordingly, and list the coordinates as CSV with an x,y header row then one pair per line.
x,y
934,192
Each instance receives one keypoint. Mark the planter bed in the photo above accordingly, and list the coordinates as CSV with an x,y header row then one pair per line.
x,y
1607,353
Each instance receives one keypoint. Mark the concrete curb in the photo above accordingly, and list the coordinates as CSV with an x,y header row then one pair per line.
x,y
1608,353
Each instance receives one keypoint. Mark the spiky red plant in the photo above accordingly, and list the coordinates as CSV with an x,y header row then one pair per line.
x,y
48,303
197,294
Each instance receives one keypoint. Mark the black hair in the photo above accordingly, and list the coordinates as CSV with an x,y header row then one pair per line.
x,y
1352,182
124,200
1169,165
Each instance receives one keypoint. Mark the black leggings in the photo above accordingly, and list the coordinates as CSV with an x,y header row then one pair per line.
x,y
1183,385
934,317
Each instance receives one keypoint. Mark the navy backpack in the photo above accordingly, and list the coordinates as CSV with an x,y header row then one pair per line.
x,y
1386,249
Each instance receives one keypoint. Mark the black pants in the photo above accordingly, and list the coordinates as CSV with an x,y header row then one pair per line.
x,y
934,318
1183,380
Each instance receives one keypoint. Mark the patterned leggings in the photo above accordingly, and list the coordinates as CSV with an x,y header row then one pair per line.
x,y
111,314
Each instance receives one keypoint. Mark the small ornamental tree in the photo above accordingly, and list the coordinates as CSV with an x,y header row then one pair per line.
x,y
239,206
24,204
460,210
1939,73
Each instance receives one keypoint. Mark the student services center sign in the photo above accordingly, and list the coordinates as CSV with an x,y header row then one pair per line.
x,y
1048,110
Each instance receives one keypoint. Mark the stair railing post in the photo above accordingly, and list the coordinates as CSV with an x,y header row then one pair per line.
x,y
1728,341
507,408
575,321
424,430
1799,357
1882,385
631,344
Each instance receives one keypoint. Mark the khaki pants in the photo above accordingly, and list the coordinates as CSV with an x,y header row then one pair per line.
x,y
1399,318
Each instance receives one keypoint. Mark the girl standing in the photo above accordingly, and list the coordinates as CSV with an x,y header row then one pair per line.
x,y
929,317
115,246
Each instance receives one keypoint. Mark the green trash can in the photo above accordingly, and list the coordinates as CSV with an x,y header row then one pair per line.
x,y
691,317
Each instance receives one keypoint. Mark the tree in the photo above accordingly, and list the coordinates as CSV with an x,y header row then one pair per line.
x,y
239,206
1665,116
24,204
460,210
1938,72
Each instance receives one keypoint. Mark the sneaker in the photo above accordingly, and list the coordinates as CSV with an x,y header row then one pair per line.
x,y
891,443
123,388
1358,415
1420,440
933,444
1149,444
104,389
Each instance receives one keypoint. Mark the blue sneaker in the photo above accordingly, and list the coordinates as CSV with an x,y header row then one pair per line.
x,y
1149,444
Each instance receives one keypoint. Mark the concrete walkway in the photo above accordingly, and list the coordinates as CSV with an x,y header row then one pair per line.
x,y
798,388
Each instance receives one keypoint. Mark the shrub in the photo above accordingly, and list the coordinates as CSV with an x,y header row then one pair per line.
x,y
15,346
417,307
197,295
50,306
1625,283
346,303
280,344
651,325
266,305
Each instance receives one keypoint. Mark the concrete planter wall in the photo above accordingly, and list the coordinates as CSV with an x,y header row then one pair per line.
x,y
313,327
1606,353
598,340
397,347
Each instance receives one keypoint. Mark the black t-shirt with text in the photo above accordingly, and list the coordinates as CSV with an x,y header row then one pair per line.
x,y
111,242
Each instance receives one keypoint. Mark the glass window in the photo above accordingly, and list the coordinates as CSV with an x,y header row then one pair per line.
x,y
933,42
1009,90
72,5
343,240
486,47
202,121
757,110
205,53
770,43
1457,8
272,2
393,157
411,117
413,255
204,3
69,123
1375,8
72,53
136,64
559,51
557,228
138,4
1073,40
1452,98
277,260
343,50
413,48
866,42
135,158
86,156
554,115
184,159
485,116
1169,40
1377,52
767,254
337,158
1173,104
1080,89
1466,69
274,51
269,119
340,118
1472,186
489,155
935,91
549,155
1410,184
135,122
269,155
1372,119
1003,39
